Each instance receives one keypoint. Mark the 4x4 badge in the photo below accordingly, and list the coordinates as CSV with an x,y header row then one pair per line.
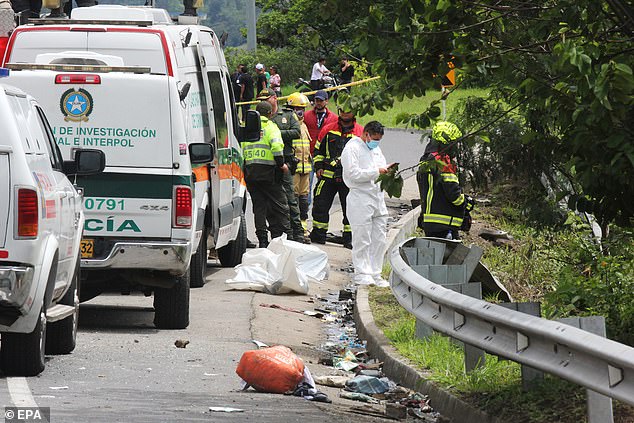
x,y
76,105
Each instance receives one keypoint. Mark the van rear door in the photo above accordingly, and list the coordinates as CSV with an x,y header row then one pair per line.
x,y
127,116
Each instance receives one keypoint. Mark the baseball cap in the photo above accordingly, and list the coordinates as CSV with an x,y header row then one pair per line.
x,y
321,95
266,93
259,66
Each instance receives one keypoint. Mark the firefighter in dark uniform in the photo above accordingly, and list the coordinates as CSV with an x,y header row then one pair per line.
x,y
289,125
264,166
327,164
444,206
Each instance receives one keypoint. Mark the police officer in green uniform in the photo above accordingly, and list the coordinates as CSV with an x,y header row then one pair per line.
x,y
264,167
289,125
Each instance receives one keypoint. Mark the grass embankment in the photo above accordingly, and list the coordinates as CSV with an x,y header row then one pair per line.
x,y
418,105
560,267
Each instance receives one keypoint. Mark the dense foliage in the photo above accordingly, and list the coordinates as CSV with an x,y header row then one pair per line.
x,y
564,67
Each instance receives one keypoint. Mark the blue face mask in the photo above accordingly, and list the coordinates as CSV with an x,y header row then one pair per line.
x,y
372,144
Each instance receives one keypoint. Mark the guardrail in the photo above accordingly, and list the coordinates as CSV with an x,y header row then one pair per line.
x,y
589,360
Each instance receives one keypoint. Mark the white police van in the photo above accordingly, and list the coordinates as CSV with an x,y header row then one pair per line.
x,y
40,232
156,98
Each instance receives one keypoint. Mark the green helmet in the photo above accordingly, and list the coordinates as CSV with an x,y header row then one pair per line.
x,y
445,132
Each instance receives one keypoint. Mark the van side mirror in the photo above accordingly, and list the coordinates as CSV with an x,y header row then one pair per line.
x,y
201,152
87,162
252,127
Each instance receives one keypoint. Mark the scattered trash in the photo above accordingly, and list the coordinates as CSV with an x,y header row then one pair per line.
x,y
367,385
395,411
210,374
333,381
293,310
494,234
369,372
307,390
316,314
58,388
226,409
274,369
283,267
355,396
181,343
259,344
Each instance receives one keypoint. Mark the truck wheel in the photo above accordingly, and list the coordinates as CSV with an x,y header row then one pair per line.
x,y
22,354
198,264
231,254
62,335
171,305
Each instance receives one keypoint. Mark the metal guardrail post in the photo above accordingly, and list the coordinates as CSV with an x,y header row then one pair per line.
x,y
589,360
530,376
427,259
599,406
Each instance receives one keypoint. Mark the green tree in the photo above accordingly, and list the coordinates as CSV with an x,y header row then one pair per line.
x,y
317,27
563,66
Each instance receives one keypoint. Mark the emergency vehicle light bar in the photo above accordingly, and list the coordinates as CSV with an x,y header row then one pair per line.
x,y
36,21
78,68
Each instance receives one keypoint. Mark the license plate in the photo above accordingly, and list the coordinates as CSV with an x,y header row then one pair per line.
x,y
87,248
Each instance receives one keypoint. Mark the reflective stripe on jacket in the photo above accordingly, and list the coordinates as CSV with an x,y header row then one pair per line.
x,y
302,151
259,156
328,149
443,202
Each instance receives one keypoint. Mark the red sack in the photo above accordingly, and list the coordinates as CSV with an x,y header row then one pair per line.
x,y
274,369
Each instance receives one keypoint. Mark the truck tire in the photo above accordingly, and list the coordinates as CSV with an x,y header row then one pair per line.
x,y
22,354
198,264
231,254
62,335
171,305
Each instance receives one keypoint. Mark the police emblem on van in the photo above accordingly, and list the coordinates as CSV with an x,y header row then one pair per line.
x,y
76,105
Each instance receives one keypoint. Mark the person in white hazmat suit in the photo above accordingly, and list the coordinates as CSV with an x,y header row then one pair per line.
x,y
362,162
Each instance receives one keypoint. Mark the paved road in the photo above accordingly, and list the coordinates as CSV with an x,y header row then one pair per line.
x,y
125,370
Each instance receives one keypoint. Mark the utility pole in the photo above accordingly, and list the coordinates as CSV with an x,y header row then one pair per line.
x,y
251,35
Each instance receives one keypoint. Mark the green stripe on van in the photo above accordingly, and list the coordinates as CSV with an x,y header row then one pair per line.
x,y
131,185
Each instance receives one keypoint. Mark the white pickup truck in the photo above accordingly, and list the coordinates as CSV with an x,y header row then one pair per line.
x,y
41,223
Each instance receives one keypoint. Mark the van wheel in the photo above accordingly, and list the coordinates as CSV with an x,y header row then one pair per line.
x,y
22,354
62,335
231,254
198,265
171,305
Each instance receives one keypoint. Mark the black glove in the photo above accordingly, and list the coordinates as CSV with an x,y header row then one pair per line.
x,y
466,222
470,204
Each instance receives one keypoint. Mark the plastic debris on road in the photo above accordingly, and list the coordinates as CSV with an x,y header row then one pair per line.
x,y
332,380
358,397
226,410
368,385
275,369
283,267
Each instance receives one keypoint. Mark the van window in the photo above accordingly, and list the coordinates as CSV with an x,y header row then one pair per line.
x,y
220,110
232,103
135,48
51,146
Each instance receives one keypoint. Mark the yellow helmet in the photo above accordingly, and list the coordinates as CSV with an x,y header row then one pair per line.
x,y
297,99
445,132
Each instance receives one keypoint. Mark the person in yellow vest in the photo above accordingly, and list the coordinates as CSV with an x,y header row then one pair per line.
x,y
264,165
301,146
